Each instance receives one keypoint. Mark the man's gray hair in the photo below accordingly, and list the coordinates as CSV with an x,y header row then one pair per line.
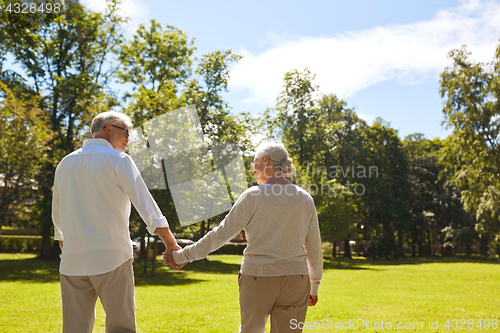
x,y
109,117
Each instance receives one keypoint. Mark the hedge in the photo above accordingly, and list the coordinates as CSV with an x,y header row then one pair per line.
x,y
23,244
20,244
233,248
20,232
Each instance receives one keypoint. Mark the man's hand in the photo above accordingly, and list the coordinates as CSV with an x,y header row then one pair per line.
x,y
168,259
61,244
167,238
173,247
313,300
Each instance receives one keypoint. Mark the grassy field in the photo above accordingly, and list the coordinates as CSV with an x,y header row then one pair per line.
x,y
204,297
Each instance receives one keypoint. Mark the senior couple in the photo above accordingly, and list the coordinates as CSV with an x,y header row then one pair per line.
x,y
93,190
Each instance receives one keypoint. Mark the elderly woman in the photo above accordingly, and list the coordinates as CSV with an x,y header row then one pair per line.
x,y
282,263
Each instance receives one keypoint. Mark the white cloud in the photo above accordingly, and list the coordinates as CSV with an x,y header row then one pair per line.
x,y
366,117
349,62
135,10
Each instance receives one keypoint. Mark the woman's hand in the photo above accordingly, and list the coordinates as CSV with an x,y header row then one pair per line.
x,y
168,259
313,300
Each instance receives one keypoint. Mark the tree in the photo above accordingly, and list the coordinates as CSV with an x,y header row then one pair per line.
x,y
385,204
424,175
157,62
336,213
23,139
472,111
158,65
340,149
296,116
219,125
65,57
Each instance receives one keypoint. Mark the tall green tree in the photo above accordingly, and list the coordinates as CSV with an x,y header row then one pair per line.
x,y
385,204
217,120
472,110
65,57
157,63
341,150
23,144
426,188
295,118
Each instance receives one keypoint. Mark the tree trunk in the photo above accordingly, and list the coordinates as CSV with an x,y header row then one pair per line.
x,y
146,246
142,250
203,229
419,244
429,246
347,249
46,181
155,246
468,247
334,251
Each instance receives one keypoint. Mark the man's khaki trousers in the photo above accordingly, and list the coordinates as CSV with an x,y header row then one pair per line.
x,y
116,291
284,298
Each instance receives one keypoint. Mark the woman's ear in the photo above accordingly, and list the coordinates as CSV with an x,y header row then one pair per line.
x,y
265,159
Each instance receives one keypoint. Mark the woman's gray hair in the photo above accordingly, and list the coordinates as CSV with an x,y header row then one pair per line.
x,y
277,154
109,117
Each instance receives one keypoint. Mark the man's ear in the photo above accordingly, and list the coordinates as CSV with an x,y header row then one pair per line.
x,y
107,130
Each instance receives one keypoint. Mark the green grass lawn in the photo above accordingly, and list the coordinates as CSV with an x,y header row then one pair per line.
x,y
204,297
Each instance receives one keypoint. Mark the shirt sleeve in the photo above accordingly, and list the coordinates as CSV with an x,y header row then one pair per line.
x,y
237,218
314,252
134,186
58,235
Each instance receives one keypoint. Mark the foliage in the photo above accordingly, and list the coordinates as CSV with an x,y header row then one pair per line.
x,y
156,62
385,205
20,244
472,111
65,59
231,248
325,136
23,144
295,118
424,170
415,191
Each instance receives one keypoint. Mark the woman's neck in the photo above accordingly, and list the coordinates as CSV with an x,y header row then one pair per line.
x,y
277,180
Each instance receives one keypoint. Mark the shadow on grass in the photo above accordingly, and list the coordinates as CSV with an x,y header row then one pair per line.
x,y
164,276
36,270
42,271
212,266
30,270
363,263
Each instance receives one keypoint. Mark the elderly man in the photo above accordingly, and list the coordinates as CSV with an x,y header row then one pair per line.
x,y
93,188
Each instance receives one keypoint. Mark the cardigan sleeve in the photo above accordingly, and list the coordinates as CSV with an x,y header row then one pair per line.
x,y
237,218
314,252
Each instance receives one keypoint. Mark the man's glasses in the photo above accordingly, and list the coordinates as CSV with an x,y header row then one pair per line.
x,y
126,130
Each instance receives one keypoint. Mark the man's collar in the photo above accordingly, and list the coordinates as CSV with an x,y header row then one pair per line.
x,y
97,142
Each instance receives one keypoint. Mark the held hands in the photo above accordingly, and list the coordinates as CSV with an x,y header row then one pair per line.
x,y
168,259
313,300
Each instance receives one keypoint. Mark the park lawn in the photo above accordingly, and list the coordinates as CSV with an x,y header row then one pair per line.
x,y
203,297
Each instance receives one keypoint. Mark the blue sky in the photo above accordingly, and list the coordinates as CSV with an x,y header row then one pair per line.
x,y
382,57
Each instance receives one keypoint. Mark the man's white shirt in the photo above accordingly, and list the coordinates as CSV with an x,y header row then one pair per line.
x,y
93,188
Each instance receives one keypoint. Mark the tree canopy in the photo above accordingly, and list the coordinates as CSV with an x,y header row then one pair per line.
x,y
387,195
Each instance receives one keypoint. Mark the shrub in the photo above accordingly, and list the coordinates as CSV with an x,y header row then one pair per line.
x,y
231,249
20,244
